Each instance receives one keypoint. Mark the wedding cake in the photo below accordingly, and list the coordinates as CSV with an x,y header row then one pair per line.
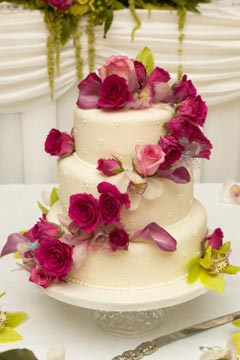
x,y
124,215
134,168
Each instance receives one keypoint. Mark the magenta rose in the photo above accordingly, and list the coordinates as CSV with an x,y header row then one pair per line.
x,y
60,4
89,92
84,211
109,167
215,240
180,127
40,277
194,108
55,257
43,230
59,143
183,89
148,159
111,202
114,93
118,239
123,67
172,149
159,75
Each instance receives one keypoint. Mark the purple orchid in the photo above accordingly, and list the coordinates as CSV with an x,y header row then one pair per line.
x,y
155,233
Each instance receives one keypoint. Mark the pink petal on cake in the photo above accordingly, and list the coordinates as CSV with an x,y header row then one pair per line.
x,y
11,245
154,232
79,254
179,175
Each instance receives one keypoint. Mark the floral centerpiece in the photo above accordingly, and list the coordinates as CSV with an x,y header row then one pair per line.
x,y
63,21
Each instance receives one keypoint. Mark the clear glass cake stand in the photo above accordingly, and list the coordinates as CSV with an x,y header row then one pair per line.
x,y
130,312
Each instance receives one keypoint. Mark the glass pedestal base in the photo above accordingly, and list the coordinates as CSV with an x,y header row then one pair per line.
x,y
128,323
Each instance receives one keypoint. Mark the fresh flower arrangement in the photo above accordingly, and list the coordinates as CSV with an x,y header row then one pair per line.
x,y
63,21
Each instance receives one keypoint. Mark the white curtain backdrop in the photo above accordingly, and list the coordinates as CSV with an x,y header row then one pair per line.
x,y
211,58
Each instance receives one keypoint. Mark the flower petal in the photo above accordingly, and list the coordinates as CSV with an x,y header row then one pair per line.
x,y
11,245
79,254
56,351
179,175
154,189
154,232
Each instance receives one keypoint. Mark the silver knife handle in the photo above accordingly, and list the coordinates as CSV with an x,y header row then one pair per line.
x,y
146,348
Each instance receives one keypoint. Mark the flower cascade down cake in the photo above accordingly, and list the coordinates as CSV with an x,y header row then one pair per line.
x,y
124,215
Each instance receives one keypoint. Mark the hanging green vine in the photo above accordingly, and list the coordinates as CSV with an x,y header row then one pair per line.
x,y
62,22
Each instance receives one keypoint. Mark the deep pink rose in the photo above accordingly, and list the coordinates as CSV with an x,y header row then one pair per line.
x,y
109,167
60,4
184,88
215,240
89,90
84,211
43,230
172,149
55,257
148,159
193,108
111,202
114,93
118,239
59,143
41,277
123,67
180,127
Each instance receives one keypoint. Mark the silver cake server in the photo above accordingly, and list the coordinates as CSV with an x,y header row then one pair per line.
x,y
150,347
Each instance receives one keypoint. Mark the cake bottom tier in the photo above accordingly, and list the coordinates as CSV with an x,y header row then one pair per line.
x,y
143,264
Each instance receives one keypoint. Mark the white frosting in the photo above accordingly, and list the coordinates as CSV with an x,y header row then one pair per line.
x,y
144,264
174,203
102,134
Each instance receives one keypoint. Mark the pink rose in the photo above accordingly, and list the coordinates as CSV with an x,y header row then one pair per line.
x,y
123,67
215,240
89,92
59,143
118,239
172,149
148,159
60,4
109,167
111,202
84,211
43,230
55,257
183,89
193,108
114,93
41,277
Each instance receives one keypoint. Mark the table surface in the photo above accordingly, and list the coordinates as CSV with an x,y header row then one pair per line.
x,y
50,320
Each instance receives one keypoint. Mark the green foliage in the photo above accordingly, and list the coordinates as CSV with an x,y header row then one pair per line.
x,y
17,354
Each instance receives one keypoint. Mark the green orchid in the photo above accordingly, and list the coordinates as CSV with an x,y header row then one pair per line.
x,y
8,322
213,262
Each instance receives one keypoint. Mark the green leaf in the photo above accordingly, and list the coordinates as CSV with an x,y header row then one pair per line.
x,y
7,334
16,318
43,209
231,269
108,21
53,196
236,340
236,323
194,270
146,57
213,282
225,248
18,354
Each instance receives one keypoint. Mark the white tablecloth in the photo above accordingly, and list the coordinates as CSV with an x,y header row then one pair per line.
x,y
50,320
